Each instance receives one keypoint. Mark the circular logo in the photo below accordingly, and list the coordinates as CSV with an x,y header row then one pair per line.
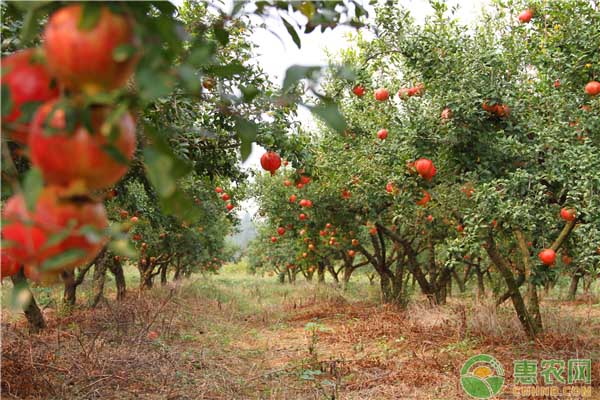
x,y
482,376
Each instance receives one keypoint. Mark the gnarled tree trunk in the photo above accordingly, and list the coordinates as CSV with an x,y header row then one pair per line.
x,y
116,268
33,314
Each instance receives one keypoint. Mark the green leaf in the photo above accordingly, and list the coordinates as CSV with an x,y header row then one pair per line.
x,y
123,247
221,35
123,52
28,109
115,154
226,71
90,15
153,84
158,167
190,78
292,31
7,103
296,72
180,205
245,150
249,92
32,187
62,259
329,112
247,130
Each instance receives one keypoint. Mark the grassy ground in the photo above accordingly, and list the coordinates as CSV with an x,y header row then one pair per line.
x,y
236,336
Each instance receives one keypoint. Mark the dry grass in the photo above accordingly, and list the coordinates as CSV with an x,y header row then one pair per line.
x,y
234,337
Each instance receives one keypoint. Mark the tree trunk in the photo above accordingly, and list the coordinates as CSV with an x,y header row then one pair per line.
x,y
333,273
98,281
459,282
163,274
480,284
534,304
527,322
573,286
386,288
321,272
116,268
70,288
33,314
348,270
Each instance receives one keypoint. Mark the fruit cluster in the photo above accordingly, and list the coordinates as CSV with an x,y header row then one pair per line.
x,y
80,147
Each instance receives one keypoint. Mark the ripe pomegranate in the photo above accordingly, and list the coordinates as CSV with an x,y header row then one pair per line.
x,y
300,185
346,194
208,83
446,114
134,220
557,83
219,189
153,335
303,203
382,134
57,225
373,231
425,199
592,88
311,247
323,233
229,206
430,218
8,265
85,59
225,197
302,217
547,256
27,80
355,242
79,157
270,161
359,90
403,93
382,94
351,253
293,198
287,183
123,214
526,16
460,228
568,214
425,168
273,239
305,180
281,231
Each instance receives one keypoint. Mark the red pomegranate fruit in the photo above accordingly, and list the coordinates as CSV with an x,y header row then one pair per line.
x,y
27,79
60,233
81,157
85,59
270,161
